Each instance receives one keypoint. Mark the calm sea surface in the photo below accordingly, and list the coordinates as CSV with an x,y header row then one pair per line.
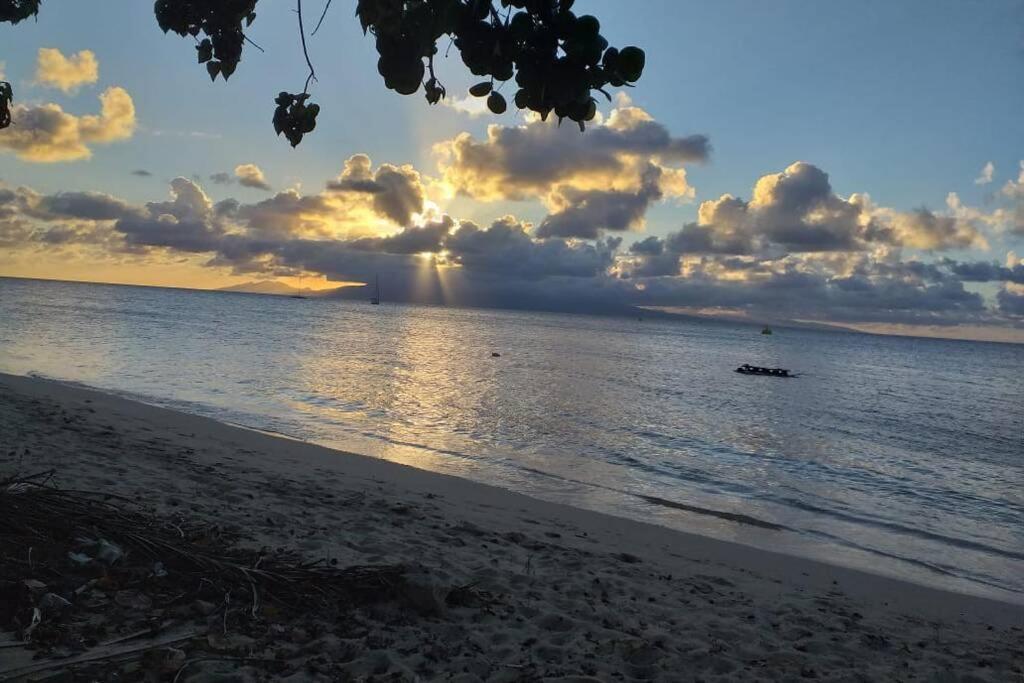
x,y
901,456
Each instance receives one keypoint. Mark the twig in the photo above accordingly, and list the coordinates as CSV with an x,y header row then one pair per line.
x,y
252,42
255,594
130,636
326,7
96,656
305,51
240,660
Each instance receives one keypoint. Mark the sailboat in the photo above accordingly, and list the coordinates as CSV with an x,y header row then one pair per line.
x,y
376,291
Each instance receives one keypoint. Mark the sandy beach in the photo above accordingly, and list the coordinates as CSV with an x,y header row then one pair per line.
x,y
572,595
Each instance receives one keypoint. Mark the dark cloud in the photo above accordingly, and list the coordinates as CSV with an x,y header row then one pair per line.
x,y
94,206
1011,303
413,240
986,271
892,293
505,249
222,178
184,223
587,213
287,212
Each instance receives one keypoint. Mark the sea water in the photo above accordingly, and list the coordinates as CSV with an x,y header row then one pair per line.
x,y
902,456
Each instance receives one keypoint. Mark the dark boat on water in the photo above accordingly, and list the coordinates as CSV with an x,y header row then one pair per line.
x,y
746,369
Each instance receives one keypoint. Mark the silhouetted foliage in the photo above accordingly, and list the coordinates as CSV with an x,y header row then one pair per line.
x,y
17,10
556,59
6,95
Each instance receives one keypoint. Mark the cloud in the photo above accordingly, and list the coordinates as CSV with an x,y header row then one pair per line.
x,y
250,175
526,161
142,173
796,211
1011,301
987,171
1013,217
397,192
89,206
471,106
184,223
603,180
585,214
506,249
427,238
246,175
289,213
923,229
46,133
1015,189
67,74
987,271
795,250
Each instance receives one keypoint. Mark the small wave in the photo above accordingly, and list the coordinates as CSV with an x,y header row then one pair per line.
x,y
900,528
721,514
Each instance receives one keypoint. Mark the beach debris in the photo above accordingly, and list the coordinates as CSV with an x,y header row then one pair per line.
x,y
628,558
79,558
426,596
167,660
109,553
108,584
51,605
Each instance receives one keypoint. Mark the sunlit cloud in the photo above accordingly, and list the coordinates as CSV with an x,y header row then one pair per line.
x,y
46,133
250,175
604,180
67,74
471,106
396,192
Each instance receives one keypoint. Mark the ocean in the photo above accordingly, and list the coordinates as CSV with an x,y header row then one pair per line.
x,y
900,456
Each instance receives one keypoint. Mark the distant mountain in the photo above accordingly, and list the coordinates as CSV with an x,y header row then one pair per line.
x,y
270,287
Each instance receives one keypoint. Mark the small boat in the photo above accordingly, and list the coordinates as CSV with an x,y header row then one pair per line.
x,y
297,296
376,291
766,330
746,369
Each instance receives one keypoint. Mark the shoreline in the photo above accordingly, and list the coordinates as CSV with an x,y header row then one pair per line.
x,y
541,555
717,549
696,520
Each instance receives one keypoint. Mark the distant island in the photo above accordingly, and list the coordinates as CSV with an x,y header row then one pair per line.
x,y
273,287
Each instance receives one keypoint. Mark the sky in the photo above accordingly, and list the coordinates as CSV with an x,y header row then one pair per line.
x,y
857,163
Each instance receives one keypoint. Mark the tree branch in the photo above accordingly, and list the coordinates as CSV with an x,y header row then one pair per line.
x,y
305,51
326,7
251,42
